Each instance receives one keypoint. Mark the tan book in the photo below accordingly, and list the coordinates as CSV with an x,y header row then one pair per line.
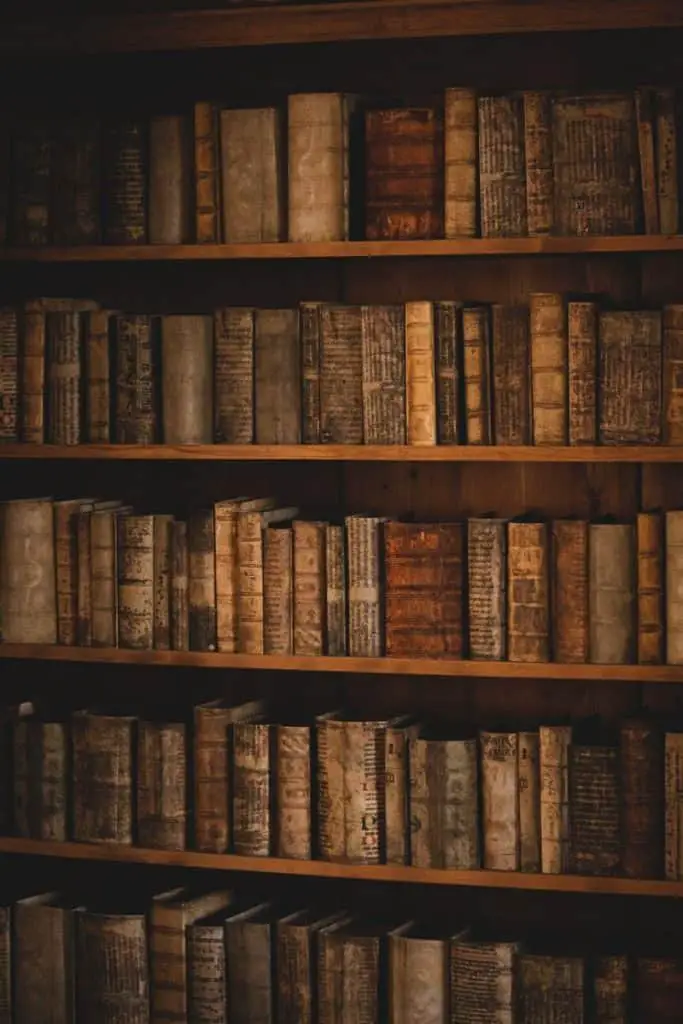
x,y
318,167
170,178
418,976
582,366
250,960
84,580
483,980
460,146
125,165
40,770
650,569
554,743
277,371
186,382
113,968
420,374
549,987
137,381
667,160
342,373
612,594
594,810
641,764
310,587
251,522
296,965
293,791
252,822
28,594
569,574
336,598
9,375
630,378
201,595
384,340
234,375
486,588
278,590
32,373
44,970
528,625
672,398
252,175
135,569
549,347
645,123
207,174
364,557
102,753
511,398
528,770
161,785
502,185
538,163
225,515
674,600
180,611
500,800
98,376
476,333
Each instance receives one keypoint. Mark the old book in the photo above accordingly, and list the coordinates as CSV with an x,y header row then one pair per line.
x,y
448,344
251,169
161,785
103,582
310,587
212,749
554,743
163,526
207,970
383,334
674,597
7,981
207,181
31,175
336,602
460,160
278,590
486,588
201,594
172,919
444,809
424,589
318,167
180,585
667,161
594,818
502,185
75,184
528,625
44,961
252,798
102,766
398,737
673,793
293,792
418,975
476,335
672,385
641,760
650,547
296,965
28,594
225,515
135,572
658,987
500,800
612,593
40,778
510,350
31,373
538,163
251,522
528,770
250,959
186,383
351,972
137,382
595,164
404,184
234,375
610,984
365,584
645,124
630,378
549,989
482,980
84,580
169,180
97,374
5,173
66,566
582,371
569,575
420,374
342,368
9,375
113,968
125,164
549,345
64,337
277,372
310,320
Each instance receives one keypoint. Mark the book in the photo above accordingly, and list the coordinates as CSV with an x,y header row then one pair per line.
x,y
252,798
554,744
570,590
135,572
31,176
672,397
44,962
252,520
502,185
383,345
641,784
163,527
309,589
28,592
538,163
528,625
75,182
180,611
549,354
161,792
64,341
510,350
351,968
460,160
500,801
277,370
31,409
549,987
673,788
420,374
234,375
674,601
293,824
97,372
136,402
201,594
102,766
645,124
528,771
113,967
365,578
186,382
170,175
251,175
630,377
612,595
296,965
207,182
418,975
667,160
483,979
9,375
443,803
342,367
611,985
310,321
582,372
278,588
125,167
448,345
476,334
250,964
658,983
318,167
594,809
207,969
40,769
336,640
650,581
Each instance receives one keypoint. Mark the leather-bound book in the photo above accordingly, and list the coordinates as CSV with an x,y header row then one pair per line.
x,y
7,981
645,125
225,514
511,399
460,159
674,600
341,374
352,972
65,407
66,567
252,797
40,776
75,207
278,590
292,824
309,587
482,980
277,371
9,375
365,586
582,371
612,594
538,163
398,738
658,989
104,599
418,975
186,382
28,594
528,769
252,519
5,183
404,183
112,981
500,800
448,346
32,159
135,572
250,958
137,383
667,160
84,577
595,162
569,575
424,590
207,175
383,343
554,744
594,810
170,180
102,756
610,976
650,568
528,625
502,184
44,962
630,377
98,367
180,611
201,547
252,175
550,989
420,374
163,527
310,320
125,166
31,374
234,375
641,746
476,334
296,965
207,996
549,345
318,167
161,785
672,398
673,793
336,642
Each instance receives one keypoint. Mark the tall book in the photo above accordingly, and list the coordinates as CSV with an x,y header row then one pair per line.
x,y
482,980
612,596
102,767
582,371
511,401
277,371
207,182
251,522
554,743
318,167
161,785
278,589
569,599
41,778
611,986
658,987
296,965
187,379
336,598
135,572
125,167
502,186
383,343
500,800
66,565
75,199
667,160
420,374
225,518
351,972
9,375
418,975
594,809
549,348
309,587
250,964
538,162
252,797
528,771
398,738
630,378
645,125
251,172
97,370
31,374
460,161
650,581
293,791
673,794
170,177
528,625
44,961
448,345
476,337
137,382
180,612
365,582
672,386
112,982
641,765
163,553
340,368
549,988
206,970
201,547
31,174
674,599
65,407
311,324
28,594
234,375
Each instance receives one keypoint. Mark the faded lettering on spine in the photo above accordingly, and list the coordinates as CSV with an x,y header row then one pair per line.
x,y
642,799
251,805
98,377
528,637
135,567
32,374
612,601
460,145
482,982
500,800
447,340
104,603
594,810
207,988
278,585
125,170
113,968
310,318
102,750
9,375
234,375
630,377
554,742
511,374
549,344
550,988
611,989
529,801
161,785
318,167
28,595
136,400
672,398
384,374
180,613
342,374
293,774
582,363
444,817
486,588
335,578
420,374
650,541
40,757
667,160
202,580
365,586
309,587
64,380
570,590
538,159
162,582
502,184
476,333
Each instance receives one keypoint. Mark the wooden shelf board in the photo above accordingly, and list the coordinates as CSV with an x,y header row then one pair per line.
x,y
371,666
324,869
347,250
371,19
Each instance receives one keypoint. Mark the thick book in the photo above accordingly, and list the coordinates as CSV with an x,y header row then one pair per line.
x,y
44,959
554,744
250,964
252,175
161,785
170,180
318,167
75,185
672,368
135,573
225,518
207,175
309,588
40,773
460,163
641,766
125,168
549,353
483,982
352,972
611,985
594,809
658,986
334,366
234,375
418,975
511,398
420,374
582,371
28,592
538,163
502,184
550,988
137,378
293,803
612,593
207,970
252,520
296,965
102,773
500,800
570,592
112,982
187,379
252,796
528,616
277,372
383,344
630,377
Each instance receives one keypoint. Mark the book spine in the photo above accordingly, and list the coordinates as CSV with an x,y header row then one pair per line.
x,y
206,174
180,612
113,969
612,600
102,752
483,981
28,591
528,637
250,579
673,791
649,539
9,375
477,373
486,589
363,767
383,337
529,801
278,586
168,937
460,145
611,989
538,161
330,976
420,374
549,987
554,742
211,780
76,172
277,372
103,575
32,376
570,590
318,168
594,824
365,591
21,773
582,362
97,378
396,746
502,185
161,785
673,375
548,368
225,523
163,526
674,602
40,753
234,376
295,978
642,796
342,374
418,979
126,198
630,377
135,567
66,572
330,748
84,586
500,801
32,159
186,383
310,319
645,124
667,161
136,412
251,814
447,342
44,970
207,971
169,180
249,954
251,155
335,578
293,773
444,830
309,587
510,346
201,593
64,377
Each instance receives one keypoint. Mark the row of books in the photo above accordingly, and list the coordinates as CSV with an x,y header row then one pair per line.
x,y
228,777
525,163
245,576
221,956
554,372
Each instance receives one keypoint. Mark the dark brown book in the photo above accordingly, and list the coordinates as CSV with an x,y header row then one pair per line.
x,y
511,404
40,775
43,949
277,367
102,767
6,979
137,384
673,374
125,182
31,172
202,580
9,375
570,590
98,383
65,406
341,375
659,989
594,810
180,612
76,183
250,957
502,178
642,799
448,345
296,955
404,173
483,979
582,371
252,797
351,971
163,526
161,785
113,969
610,997
528,638
424,589
550,989
206,970
135,575
207,175
5,181
645,126
310,318
478,389
650,552
631,377
234,375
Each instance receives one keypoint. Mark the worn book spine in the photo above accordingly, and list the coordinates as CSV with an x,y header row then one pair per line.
x,y
102,753
44,961
365,587
674,599
250,582
383,330
9,375
673,788
251,803
279,599
342,374
163,526
528,625
594,818
582,371
549,344
251,168
645,122
310,315
549,988
554,743
667,161
250,969
169,180
64,377
444,816
135,569
448,341
28,593
295,957
630,377
201,593
502,185
66,571
610,996
97,377
318,167
330,748
136,384
277,373
672,425
477,373
75,198
161,785
529,801
612,594
335,580
309,587
483,981
500,800
234,375
227,585
657,988
84,586
125,185
187,379
511,400
364,772
180,612
538,162
5,173
293,796
211,779
418,979
113,968
33,346
104,602
207,969
330,973
40,770
460,157
397,738
420,374
650,544
486,588
207,210
642,799
569,574
32,159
